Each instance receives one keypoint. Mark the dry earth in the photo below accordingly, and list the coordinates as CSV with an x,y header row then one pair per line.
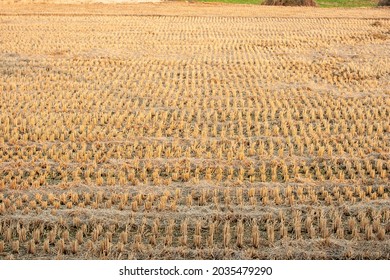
x,y
195,9
83,2
184,131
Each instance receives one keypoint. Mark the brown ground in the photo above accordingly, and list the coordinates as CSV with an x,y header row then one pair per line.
x,y
195,9
184,131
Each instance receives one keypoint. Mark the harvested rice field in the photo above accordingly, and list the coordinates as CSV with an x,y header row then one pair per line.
x,y
194,131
